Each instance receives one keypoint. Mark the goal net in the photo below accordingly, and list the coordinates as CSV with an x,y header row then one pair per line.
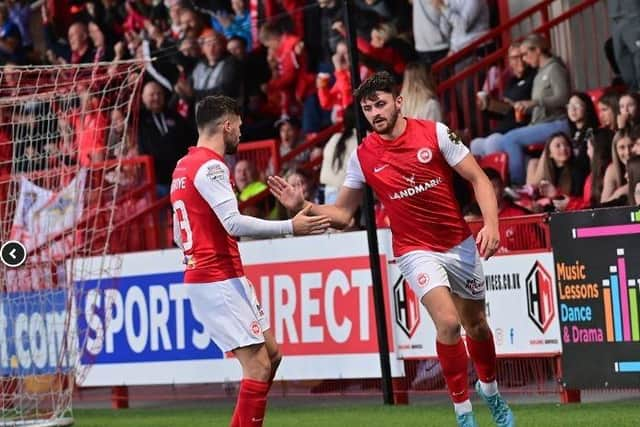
x,y
65,137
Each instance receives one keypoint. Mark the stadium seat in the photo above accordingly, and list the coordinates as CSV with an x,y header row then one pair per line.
x,y
498,161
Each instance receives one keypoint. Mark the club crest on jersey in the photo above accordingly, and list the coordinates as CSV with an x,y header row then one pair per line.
x,y
453,137
424,155
215,172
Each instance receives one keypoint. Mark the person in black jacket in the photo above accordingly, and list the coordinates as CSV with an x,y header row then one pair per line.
x,y
162,134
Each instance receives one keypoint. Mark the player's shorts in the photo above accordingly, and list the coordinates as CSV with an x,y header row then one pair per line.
x,y
459,269
230,312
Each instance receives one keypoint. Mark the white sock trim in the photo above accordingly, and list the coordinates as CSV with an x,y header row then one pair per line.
x,y
489,389
462,407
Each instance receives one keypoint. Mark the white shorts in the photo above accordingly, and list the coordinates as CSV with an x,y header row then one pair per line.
x,y
459,269
230,312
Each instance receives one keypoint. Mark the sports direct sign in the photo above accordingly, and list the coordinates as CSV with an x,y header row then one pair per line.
x,y
521,308
317,292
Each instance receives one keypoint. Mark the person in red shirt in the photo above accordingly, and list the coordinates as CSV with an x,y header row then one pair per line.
x,y
409,164
206,223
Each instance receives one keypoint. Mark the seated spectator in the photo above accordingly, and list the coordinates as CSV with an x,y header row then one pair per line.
x,y
615,188
162,134
116,147
635,138
418,93
300,179
633,171
608,110
518,83
547,105
20,14
103,50
335,157
290,138
629,107
79,49
339,96
191,25
216,73
237,24
556,172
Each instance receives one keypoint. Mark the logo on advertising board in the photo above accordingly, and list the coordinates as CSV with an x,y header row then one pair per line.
x,y
406,307
540,306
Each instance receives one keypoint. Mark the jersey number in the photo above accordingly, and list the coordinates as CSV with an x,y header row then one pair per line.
x,y
183,224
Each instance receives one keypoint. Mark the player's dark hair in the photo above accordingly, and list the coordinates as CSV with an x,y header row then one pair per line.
x,y
379,82
212,109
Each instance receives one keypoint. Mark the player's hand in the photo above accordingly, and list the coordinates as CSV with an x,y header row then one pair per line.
x,y
290,197
489,241
303,224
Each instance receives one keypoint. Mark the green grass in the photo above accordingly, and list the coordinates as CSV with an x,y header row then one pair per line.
x,y
368,415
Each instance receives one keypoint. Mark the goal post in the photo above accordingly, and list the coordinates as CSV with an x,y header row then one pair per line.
x,y
65,134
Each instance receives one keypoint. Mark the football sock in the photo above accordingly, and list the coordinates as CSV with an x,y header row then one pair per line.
x,y
453,359
252,403
483,354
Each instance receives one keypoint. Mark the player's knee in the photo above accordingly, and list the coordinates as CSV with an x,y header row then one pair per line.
x,y
478,329
448,328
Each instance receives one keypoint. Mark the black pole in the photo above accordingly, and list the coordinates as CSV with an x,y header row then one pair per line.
x,y
372,237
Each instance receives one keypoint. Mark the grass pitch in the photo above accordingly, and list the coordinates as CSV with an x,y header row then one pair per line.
x,y
367,415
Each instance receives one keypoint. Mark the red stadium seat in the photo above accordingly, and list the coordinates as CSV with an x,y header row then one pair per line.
x,y
499,162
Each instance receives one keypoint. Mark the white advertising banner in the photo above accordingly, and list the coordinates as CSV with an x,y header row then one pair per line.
x,y
316,290
520,303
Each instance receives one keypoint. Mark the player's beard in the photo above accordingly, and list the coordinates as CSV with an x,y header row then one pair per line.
x,y
231,143
390,123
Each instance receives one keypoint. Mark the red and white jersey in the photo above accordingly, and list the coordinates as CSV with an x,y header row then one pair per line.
x,y
201,181
413,178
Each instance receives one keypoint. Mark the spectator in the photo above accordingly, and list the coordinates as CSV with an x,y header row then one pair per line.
x,y
330,12
517,87
246,180
635,137
237,46
238,24
468,20
191,25
217,73
547,105
625,24
290,138
430,32
608,110
103,50
300,179
633,170
583,122
335,156
556,171
615,185
629,110
10,39
419,94
20,14
78,51
91,126
163,134
293,82
339,96
116,147
506,207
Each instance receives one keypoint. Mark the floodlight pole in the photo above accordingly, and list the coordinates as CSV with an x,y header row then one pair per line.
x,y
372,237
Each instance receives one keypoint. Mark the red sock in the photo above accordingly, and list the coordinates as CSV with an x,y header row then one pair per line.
x,y
483,354
251,405
453,360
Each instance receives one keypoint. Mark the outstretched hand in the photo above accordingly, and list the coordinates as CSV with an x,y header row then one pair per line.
x,y
290,196
303,224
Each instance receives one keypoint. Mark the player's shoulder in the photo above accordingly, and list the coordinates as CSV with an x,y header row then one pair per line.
x,y
202,161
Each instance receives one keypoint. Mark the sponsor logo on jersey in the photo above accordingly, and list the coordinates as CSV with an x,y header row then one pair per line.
x,y
215,172
424,155
453,137
415,189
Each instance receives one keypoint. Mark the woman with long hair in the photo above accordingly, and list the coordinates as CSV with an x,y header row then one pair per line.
x,y
615,181
629,107
583,121
418,93
608,110
633,172
557,167
335,157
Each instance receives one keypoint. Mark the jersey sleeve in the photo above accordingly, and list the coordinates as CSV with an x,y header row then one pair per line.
x,y
450,144
354,177
213,183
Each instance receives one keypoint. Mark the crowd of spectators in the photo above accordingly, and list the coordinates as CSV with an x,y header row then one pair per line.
x,y
288,65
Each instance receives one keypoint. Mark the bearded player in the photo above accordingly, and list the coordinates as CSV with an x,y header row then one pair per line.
x,y
409,164
206,224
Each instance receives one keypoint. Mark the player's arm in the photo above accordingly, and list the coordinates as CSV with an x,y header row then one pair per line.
x,y
341,213
212,182
458,157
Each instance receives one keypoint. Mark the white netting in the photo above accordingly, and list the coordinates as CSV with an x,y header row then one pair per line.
x,y
65,165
